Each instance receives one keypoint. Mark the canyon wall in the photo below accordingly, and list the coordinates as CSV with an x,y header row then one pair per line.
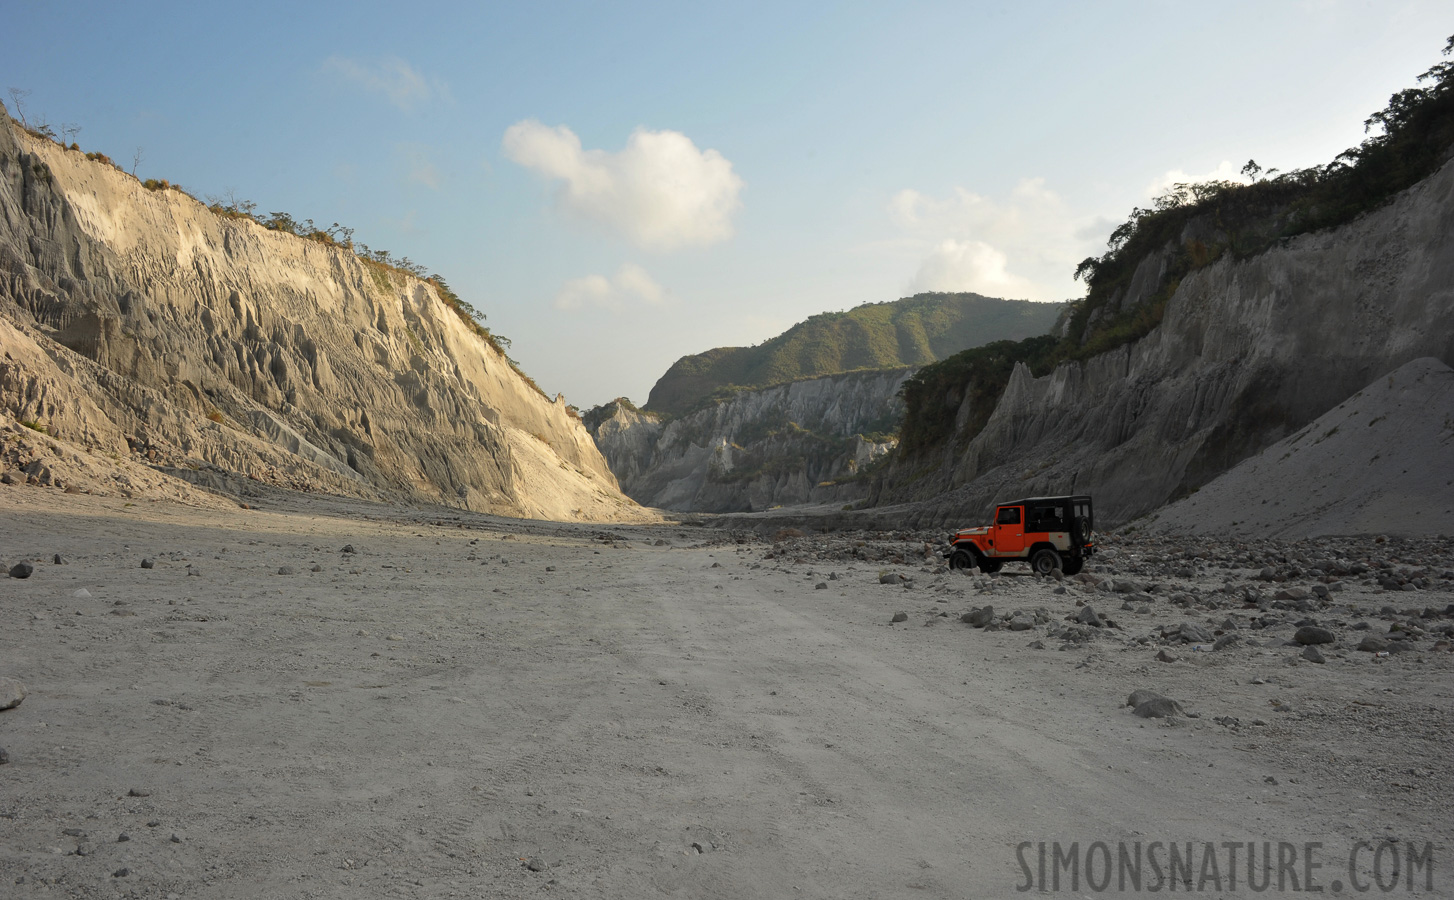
x,y
138,322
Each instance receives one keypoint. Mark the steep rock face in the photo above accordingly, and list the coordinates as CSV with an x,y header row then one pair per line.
x,y
796,443
137,320
1247,353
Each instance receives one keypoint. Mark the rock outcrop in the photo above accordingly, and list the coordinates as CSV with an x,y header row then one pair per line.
x,y
804,442
138,322
1248,352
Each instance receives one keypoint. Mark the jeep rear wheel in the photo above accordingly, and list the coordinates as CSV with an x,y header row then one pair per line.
x,y
1045,561
1073,565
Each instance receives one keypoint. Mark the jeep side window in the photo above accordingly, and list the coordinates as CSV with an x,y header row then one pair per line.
x,y
1009,515
1052,519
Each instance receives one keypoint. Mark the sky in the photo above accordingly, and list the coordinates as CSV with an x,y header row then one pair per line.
x,y
615,185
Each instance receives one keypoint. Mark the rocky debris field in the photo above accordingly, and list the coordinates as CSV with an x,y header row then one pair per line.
x,y
330,698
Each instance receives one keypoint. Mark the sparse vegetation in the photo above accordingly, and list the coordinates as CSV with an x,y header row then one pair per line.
x,y
1196,224
1190,227
34,425
381,263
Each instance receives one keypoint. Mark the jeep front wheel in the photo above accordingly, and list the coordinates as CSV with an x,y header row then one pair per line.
x,y
1045,561
961,559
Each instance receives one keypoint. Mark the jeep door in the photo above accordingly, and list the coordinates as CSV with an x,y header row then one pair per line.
x,y
1009,533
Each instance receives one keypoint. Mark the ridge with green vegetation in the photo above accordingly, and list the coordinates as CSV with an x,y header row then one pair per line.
x,y
1188,228
909,332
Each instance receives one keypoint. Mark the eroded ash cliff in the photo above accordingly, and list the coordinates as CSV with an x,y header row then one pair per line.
x,y
1247,352
138,323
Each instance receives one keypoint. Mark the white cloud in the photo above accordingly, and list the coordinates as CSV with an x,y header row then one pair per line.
x,y
1226,171
969,266
392,78
631,283
660,191
1024,246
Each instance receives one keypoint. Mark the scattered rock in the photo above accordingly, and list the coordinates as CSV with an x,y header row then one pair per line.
x,y
286,570
12,693
1139,697
60,560
821,586
1165,657
138,792
536,864
148,563
1311,654
1313,634
889,578
1371,644
348,548
1159,708
900,616
1227,640
1022,621
21,570
1194,633
980,617
1088,616
121,872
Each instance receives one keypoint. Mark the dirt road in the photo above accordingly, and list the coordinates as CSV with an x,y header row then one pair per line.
x,y
483,708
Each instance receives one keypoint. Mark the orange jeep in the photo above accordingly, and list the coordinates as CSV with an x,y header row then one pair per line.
x,y
1048,532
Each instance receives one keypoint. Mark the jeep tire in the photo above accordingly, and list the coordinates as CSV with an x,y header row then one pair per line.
x,y
961,559
1045,560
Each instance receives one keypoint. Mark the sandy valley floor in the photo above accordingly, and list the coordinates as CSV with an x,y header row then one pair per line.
x,y
476,707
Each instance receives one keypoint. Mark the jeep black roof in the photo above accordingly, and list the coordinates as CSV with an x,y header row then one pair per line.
x,y
1040,500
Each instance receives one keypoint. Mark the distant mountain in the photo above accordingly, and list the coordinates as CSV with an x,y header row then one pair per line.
x,y
909,332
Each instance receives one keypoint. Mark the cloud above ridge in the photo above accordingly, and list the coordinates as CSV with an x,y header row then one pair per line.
x,y
659,192
1026,245
631,284
1225,171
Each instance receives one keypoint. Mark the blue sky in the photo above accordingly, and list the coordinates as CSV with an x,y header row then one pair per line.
x,y
618,184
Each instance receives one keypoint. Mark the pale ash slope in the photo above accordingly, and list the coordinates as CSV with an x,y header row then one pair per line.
x,y
1380,462
1249,351
132,316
